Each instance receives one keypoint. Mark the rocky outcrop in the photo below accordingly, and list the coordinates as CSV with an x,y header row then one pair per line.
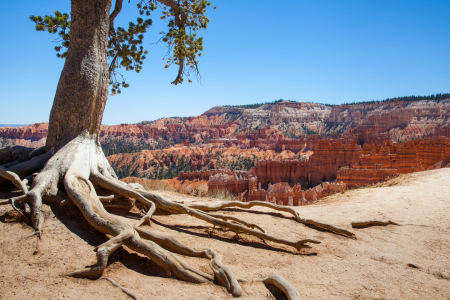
x,y
170,162
271,126
332,167
283,194
33,136
205,175
322,166
416,118
441,164
430,151
198,188
234,183
353,178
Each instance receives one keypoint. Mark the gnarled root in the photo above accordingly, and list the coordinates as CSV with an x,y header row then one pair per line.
x,y
148,216
222,272
250,225
84,196
103,252
14,179
368,223
285,286
224,275
11,155
26,168
178,208
228,204
117,202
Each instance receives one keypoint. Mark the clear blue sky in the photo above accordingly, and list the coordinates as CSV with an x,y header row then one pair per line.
x,y
255,51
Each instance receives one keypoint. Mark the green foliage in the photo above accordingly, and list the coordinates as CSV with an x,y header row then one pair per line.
x,y
292,135
125,46
60,24
125,50
183,22
307,130
436,97
170,169
113,146
256,105
172,120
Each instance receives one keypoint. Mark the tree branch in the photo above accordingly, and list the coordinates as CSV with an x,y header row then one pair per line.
x,y
180,22
117,9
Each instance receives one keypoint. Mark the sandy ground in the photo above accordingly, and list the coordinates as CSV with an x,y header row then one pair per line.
x,y
393,262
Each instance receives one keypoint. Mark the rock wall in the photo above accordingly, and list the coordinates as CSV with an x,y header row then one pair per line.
x,y
333,167
33,136
234,183
353,178
205,175
322,166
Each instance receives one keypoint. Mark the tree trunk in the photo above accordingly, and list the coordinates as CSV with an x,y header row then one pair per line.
x,y
83,86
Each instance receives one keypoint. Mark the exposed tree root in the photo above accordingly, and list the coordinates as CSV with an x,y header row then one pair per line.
x,y
117,202
224,275
125,290
285,286
18,210
250,225
17,199
26,168
171,207
14,179
228,204
11,155
103,252
73,174
148,215
368,223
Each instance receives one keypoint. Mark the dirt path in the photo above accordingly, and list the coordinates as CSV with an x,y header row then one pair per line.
x,y
393,262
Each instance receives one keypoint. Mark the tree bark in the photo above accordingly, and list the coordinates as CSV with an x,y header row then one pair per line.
x,y
83,86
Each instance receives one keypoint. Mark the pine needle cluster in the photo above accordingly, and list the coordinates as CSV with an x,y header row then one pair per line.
x,y
125,46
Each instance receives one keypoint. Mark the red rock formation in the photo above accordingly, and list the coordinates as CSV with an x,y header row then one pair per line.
x,y
323,165
282,180
430,151
441,164
281,193
227,137
354,178
33,135
234,183
197,188
264,133
380,122
205,175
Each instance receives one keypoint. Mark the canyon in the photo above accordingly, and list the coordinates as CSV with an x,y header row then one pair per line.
x,y
286,152
334,167
274,123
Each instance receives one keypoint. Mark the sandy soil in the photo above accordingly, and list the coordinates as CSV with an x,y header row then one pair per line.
x,y
393,262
